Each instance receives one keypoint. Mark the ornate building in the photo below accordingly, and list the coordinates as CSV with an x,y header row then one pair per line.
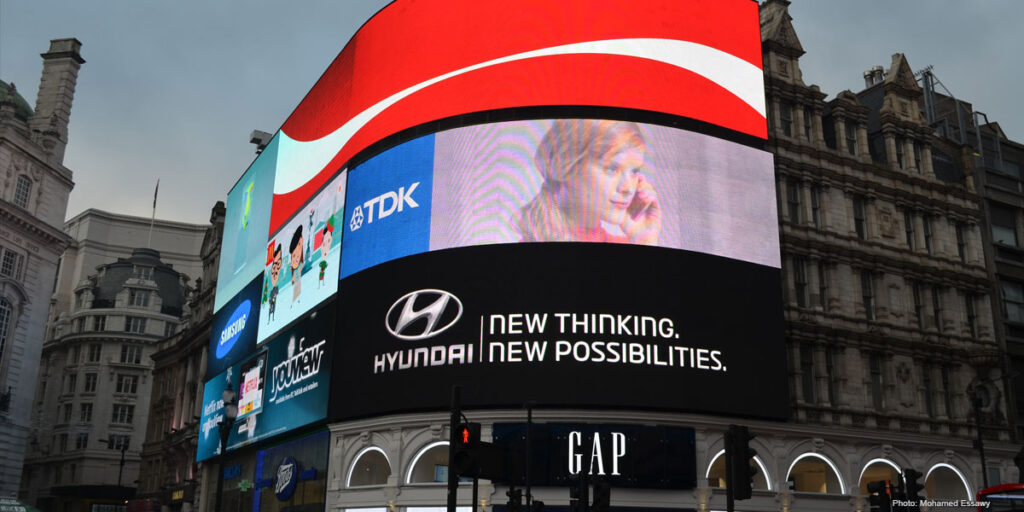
x,y
34,189
169,472
112,305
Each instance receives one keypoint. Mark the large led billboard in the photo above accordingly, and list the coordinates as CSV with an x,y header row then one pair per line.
x,y
417,62
569,262
284,385
585,180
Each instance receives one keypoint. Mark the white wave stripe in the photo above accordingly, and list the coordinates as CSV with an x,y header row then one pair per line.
x,y
303,160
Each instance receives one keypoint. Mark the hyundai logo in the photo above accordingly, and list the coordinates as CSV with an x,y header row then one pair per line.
x,y
422,314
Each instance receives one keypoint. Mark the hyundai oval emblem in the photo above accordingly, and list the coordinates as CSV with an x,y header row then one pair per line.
x,y
422,314
233,329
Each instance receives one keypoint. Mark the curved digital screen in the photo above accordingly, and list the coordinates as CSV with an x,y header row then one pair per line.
x,y
416,62
581,180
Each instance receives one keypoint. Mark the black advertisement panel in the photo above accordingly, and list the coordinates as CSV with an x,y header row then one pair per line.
x,y
623,455
562,324
234,328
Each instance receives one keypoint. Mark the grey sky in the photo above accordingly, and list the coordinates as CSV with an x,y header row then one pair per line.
x,y
171,90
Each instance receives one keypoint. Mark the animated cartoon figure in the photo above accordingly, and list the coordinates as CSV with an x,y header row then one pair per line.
x,y
275,274
325,248
295,248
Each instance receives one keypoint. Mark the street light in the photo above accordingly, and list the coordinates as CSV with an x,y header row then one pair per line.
x,y
230,413
124,447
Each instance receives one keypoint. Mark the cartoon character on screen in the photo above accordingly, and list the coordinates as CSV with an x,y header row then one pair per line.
x,y
325,248
295,248
275,275
593,189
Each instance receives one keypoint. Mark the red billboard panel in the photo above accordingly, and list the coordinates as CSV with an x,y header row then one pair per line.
x,y
420,61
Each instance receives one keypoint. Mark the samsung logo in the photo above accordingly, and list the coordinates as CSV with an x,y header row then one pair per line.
x,y
423,314
233,330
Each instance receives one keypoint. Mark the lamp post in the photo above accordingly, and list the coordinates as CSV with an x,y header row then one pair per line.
x,y
224,426
124,447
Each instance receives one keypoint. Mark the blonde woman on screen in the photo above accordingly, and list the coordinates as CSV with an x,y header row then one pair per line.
x,y
593,190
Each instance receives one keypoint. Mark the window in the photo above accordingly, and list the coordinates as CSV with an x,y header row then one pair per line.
x,y
961,242
127,383
800,280
851,137
1011,168
144,273
22,191
138,298
929,406
90,383
94,352
899,153
786,118
6,312
830,371
917,156
80,324
793,200
67,413
859,219
877,390
822,286
1013,301
57,474
119,441
948,397
969,314
82,440
918,305
926,220
937,307
122,413
135,324
62,441
131,354
99,323
807,124
76,354
11,264
85,415
72,381
807,372
168,329
867,290
1004,225
908,226
816,206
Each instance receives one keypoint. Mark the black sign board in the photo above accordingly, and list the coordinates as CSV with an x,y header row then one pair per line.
x,y
638,456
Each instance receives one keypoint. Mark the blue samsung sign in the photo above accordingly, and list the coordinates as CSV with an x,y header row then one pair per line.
x,y
236,326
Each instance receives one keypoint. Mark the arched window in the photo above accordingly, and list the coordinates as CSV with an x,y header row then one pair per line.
x,y
716,473
945,481
879,469
22,190
371,467
6,313
812,472
430,465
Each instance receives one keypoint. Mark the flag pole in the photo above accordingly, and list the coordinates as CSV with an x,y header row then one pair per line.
x,y
153,218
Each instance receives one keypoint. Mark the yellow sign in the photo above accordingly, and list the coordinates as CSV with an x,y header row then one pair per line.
x,y
177,495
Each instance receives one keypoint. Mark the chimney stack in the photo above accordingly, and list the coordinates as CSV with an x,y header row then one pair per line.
x,y
49,124
875,75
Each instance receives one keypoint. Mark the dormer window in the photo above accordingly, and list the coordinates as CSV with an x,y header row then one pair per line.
x,y
144,273
22,190
851,137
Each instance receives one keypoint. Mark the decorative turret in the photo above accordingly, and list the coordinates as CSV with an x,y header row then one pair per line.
x,y
49,124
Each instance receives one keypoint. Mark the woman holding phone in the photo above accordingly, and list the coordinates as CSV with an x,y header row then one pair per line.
x,y
593,188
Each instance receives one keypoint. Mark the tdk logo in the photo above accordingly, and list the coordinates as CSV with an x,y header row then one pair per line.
x,y
422,314
387,203
233,330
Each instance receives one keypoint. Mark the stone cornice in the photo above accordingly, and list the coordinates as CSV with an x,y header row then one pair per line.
x,y
24,222
29,148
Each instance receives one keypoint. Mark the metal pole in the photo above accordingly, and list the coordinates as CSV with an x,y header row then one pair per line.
x,y
476,484
980,443
456,418
729,505
120,470
225,430
529,451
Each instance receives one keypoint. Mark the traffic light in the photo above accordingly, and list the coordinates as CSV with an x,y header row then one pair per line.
x,y
914,488
739,461
879,498
515,500
579,493
467,446
602,496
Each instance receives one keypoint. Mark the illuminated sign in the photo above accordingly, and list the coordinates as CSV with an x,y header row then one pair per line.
x,y
688,59
234,328
284,386
637,456
178,495
286,479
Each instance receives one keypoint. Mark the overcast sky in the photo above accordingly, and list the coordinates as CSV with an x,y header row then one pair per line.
x,y
171,90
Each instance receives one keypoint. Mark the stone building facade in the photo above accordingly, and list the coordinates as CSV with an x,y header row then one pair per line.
x,y
114,301
34,189
169,473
